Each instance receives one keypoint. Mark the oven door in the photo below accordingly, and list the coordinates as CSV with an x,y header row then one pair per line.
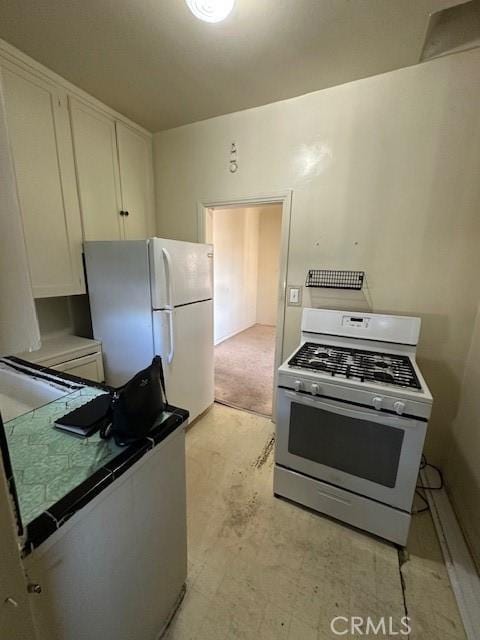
x,y
371,453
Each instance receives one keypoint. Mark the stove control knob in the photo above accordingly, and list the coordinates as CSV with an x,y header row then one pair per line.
x,y
399,407
377,402
298,385
315,389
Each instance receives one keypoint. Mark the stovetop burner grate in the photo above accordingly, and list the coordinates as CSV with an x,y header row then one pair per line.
x,y
357,364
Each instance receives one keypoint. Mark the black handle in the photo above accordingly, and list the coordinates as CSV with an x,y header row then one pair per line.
x,y
124,213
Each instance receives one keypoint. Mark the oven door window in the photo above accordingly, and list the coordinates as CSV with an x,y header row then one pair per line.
x,y
361,448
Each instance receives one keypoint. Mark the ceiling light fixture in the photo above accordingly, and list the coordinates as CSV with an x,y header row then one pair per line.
x,y
210,10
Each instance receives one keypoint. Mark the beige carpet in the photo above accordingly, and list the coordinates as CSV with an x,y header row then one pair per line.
x,y
244,370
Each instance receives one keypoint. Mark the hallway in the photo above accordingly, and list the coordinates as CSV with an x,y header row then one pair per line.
x,y
244,368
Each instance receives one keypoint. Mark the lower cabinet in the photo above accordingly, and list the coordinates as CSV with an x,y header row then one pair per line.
x,y
116,569
89,367
80,357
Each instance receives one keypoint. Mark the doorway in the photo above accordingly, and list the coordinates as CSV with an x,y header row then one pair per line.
x,y
247,246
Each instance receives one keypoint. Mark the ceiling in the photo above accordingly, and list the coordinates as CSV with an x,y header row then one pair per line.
x,y
153,61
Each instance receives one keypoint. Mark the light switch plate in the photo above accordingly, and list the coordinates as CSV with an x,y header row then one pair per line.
x,y
294,295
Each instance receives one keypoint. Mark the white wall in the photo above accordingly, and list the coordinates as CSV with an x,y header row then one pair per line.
x,y
385,178
463,467
384,173
54,315
269,237
234,233
64,314
246,266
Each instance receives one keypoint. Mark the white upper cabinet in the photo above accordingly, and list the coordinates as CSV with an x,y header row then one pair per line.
x,y
136,179
114,175
40,138
82,171
98,179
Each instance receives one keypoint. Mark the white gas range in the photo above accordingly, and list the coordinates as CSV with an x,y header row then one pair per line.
x,y
352,414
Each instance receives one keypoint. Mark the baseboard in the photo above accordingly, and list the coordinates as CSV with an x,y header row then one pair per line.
x,y
236,332
461,568
238,408
173,612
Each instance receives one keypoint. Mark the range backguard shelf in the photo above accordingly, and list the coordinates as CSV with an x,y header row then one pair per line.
x,y
334,279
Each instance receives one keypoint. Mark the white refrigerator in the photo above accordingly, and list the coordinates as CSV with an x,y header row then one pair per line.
x,y
154,297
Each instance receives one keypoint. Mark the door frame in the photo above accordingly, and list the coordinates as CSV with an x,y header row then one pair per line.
x,y
283,198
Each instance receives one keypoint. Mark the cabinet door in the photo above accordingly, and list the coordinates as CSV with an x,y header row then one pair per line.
x,y
39,131
136,179
15,613
98,180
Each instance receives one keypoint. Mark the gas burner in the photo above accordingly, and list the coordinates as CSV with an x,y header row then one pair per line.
x,y
383,376
319,364
357,364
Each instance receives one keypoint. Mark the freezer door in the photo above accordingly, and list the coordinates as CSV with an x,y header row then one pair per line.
x,y
121,307
184,340
181,272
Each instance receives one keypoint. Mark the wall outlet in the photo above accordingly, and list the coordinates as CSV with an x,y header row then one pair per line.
x,y
294,295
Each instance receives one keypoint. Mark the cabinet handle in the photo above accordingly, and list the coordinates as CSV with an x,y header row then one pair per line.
x,y
124,213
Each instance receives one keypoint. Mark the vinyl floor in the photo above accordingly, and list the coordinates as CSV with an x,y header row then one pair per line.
x,y
261,568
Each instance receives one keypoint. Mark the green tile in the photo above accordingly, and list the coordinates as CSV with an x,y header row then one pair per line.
x,y
25,417
32,501
27,427
47,463
45,470
89,456
65,444
27,455
65,481
48,435
18,475
17,441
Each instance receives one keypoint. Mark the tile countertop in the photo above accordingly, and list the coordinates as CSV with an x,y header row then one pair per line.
x,y
56,473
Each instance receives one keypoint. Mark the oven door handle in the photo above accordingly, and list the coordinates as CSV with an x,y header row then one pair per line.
x,y
366,414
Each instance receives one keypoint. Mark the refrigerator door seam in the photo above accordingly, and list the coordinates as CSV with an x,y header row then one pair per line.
x,y
179,306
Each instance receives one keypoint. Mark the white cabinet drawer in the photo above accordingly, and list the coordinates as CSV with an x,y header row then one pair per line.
x,y
378,518
88,367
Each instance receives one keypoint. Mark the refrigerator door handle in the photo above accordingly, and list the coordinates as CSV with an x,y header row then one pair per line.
x,y
168,277
169,306
171,336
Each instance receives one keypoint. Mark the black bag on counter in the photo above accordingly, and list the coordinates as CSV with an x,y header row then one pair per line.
x,y
137,405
